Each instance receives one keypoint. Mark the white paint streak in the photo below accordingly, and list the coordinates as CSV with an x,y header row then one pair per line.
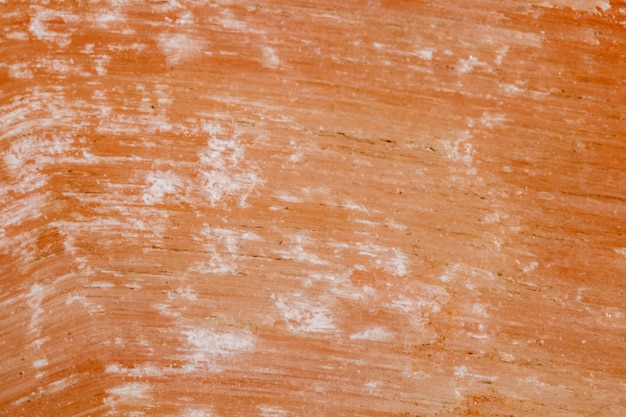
x,y
620,251
491,120
195,412
431,299
34,301
378,334
590,6
272,411
40,363
425,54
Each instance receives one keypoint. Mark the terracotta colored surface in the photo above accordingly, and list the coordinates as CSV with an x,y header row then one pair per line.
x,y
313,208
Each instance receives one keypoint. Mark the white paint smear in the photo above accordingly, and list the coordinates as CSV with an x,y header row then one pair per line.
x,y
378,334
425,54
391,260
222,246
296,251
272,411
620,251
179,47
41,20
224,171
467,65
229,21
130,393
590,6
270,59
40,363
302,315
207,347
198,413
160,184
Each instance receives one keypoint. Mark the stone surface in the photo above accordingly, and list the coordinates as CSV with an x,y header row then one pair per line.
x,y
282,208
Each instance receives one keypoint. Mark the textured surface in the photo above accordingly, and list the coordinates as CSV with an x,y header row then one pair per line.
x,y
312,208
